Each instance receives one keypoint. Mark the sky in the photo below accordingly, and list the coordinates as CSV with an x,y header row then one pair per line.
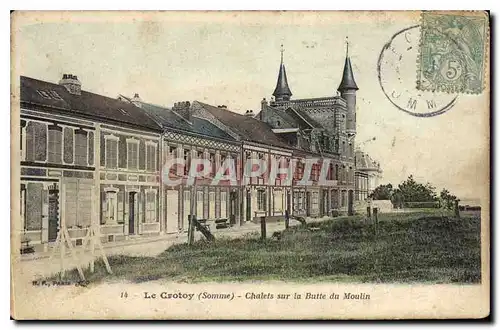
x,y
233,59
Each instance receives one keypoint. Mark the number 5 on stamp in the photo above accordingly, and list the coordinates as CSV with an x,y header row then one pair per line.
x,y
453,52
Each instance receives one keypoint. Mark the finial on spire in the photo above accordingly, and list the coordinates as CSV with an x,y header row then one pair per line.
x,y
282,91
347,82
347,46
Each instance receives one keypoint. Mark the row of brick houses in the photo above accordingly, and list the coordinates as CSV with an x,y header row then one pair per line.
x,y
86,157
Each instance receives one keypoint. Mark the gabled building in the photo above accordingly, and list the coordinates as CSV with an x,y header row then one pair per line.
x,y
186,135
325,126
260,196
368,175
84,157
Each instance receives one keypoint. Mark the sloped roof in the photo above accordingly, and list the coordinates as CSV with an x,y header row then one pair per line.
x,y
347,77
282,88
281,113
169,118
89,105
303,116
248,128
364,161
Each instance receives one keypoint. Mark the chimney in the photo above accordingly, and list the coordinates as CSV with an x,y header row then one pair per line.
x,y
249,113
71,83
183,109
136,100
263,103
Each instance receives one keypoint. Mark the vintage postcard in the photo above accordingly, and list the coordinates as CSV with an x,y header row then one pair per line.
x,y
250,165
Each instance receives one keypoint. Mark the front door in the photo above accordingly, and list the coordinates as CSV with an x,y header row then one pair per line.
x,y
249,205
308,203
53,214
131,212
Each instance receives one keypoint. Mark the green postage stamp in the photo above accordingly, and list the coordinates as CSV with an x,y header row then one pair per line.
x,y
453,52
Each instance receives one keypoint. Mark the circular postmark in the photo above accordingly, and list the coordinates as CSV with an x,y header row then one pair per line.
x,y
397,70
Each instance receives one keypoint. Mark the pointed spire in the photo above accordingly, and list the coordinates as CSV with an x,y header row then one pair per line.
x,y
282,91
347,77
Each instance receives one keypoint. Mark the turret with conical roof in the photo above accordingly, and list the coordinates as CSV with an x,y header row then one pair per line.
x,y
282,91
347,89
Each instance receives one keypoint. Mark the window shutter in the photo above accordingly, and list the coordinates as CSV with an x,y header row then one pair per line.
x,y
141,200
91,149
30,146
68,145
120,207
104,208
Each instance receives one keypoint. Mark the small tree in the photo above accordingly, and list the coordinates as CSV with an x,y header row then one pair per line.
x,y
413,191
382,192
447,199
397,199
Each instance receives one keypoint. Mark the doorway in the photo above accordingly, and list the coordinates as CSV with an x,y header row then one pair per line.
x,y
132,197
308,203
248,206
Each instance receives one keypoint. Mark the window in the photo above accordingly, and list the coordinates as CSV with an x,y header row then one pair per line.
x,y
150,156
343,148
150,206
109,207
49,94
336,171
78,202
300,203
315,172
81,147
55,144
186,161
111,151
36,141
212,163
132,154
299,171
43,94
68,145
315,200
261,200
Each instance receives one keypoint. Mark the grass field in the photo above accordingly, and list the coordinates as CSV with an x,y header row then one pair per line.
x,y
424,246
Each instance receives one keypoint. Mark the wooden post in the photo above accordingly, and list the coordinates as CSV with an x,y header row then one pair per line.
x,y
194,201
191,229
376,267
263,228
457,209
287,219
368,211
350,203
